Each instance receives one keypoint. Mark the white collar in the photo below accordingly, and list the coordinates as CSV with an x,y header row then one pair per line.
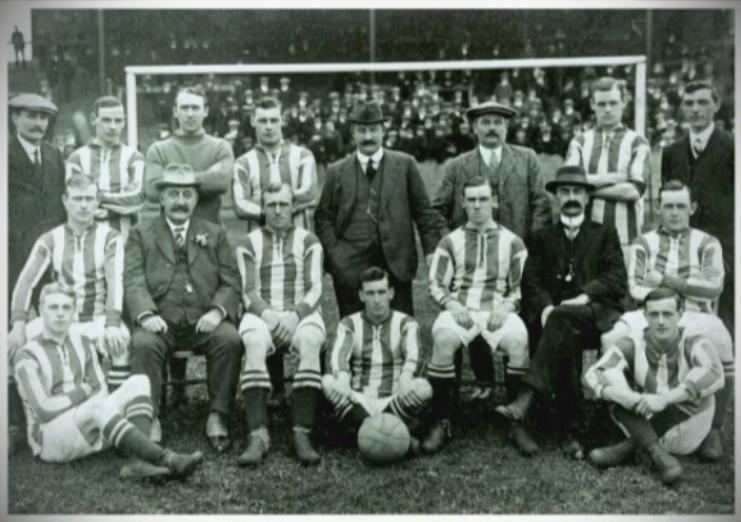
x,y
173,226
703,136
376,157
486,154
30,148
572,223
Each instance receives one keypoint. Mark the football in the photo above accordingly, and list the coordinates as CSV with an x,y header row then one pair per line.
x,y
383,438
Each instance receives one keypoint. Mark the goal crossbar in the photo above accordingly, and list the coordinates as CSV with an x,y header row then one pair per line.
x,y
639,61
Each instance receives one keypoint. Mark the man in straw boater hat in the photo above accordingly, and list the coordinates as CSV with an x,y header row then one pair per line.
x,y
370,203
519,201
35,187
573,285
181,288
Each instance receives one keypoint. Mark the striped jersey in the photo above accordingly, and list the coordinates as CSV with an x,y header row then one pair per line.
x,y
480,270
119,173
91,263
257,169
690,361
281,272
53,377
623,152
375,355
692,261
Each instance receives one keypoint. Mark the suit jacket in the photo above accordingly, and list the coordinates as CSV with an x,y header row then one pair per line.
x,y
599,271
524,205
403,202
150,261
711,180
34,202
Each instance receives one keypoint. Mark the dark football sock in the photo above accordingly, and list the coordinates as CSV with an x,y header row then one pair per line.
x,y
124,436
256,406
640,429
304,406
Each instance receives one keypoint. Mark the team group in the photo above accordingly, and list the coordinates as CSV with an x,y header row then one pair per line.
x,y
505,274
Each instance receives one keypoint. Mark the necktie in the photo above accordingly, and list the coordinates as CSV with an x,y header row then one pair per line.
x,y
180,236
370,170
494,161
36,161
697,147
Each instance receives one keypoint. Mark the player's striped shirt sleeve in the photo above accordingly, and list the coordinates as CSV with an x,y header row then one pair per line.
x,y
705,375
247,204
36,265
114,270
249,271
441,272
313,263
409,343
613,361
343,348
518,255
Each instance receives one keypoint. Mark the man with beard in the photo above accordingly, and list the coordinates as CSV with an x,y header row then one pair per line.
x,y
573,284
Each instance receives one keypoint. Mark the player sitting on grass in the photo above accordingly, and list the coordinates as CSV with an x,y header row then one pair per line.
x,y
670,408
374,360
69,410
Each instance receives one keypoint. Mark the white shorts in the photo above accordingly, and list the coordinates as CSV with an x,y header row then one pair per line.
x,y
694,323
62,440
254,325
512,329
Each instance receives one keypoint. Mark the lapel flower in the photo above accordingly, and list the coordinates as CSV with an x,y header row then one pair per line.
x,y
201,239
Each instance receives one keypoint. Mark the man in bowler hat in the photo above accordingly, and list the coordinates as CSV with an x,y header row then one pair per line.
x,y
366,215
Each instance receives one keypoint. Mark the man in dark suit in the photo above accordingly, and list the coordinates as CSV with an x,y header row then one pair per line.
x,y
36,185
704,161
573,285
181,288
520,202
366,215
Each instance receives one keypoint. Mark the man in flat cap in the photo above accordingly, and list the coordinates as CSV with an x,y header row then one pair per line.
x,y
181,288
36,185
519,201
366,215
573,285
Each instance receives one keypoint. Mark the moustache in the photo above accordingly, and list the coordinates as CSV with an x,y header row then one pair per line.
x,y
572,204
493,134
368,142
184,208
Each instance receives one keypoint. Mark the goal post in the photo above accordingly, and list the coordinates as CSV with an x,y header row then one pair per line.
x,y
135,71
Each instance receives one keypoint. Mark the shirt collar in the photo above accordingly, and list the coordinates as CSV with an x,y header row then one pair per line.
x,y
95,142
619,127
703,136
486,154
30,148
367,318
376,157
173,226
491,226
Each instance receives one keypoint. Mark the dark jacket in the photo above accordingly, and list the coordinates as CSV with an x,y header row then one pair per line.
x,y
599,271
403,203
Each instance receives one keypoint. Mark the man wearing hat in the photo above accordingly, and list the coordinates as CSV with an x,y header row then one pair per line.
x,y
519,202
181,288
366,215
573,284
36,185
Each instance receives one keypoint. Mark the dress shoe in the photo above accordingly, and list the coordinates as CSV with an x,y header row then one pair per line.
x,y
437,436
573,449
305,452
614,455
155,433
181,464
667,465
522,440
217,432
141,469
257,447
712,447
517,409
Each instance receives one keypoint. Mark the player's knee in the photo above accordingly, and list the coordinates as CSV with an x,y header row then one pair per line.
x,y
138,384
444,344
422,388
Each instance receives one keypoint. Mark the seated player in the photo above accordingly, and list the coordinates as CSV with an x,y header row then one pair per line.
x,y
475,276
281,269
691,262
375,360
670,407
70,412
88,257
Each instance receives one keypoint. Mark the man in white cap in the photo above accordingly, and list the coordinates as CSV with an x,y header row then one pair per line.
x,y
35,188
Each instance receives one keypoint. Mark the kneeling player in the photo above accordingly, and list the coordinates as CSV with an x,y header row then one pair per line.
x,y
69,410
675,375
375,359
689,261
